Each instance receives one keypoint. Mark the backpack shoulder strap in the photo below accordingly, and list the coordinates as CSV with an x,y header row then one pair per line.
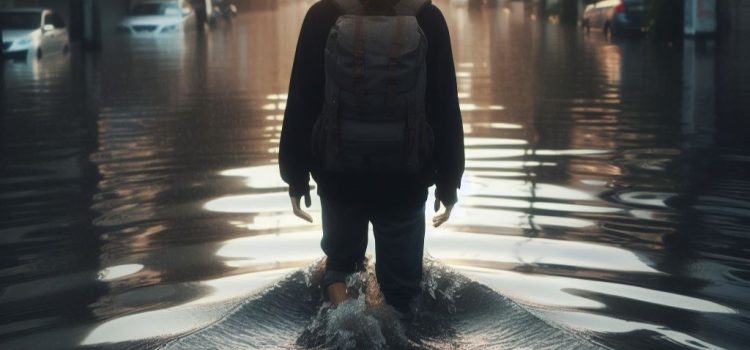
x,y
350,7
409,7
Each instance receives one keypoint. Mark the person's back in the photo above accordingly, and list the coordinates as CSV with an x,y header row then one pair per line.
x,y
373,117
367,97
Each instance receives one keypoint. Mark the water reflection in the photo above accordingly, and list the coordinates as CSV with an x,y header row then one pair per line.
x,y
184,317
605,189
506,251
576,293
120,271
49,248
603,324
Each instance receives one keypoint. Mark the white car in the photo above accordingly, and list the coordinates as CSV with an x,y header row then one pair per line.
x,y
32,32
153,18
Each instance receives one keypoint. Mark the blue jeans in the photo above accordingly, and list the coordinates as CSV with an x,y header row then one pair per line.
x,y
399,245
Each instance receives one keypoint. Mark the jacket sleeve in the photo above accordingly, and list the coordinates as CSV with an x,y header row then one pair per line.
x,y
304,102
442,109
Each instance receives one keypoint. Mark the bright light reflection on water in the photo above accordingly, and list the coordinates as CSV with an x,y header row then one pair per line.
x,y
255,203
115,272
488,248
573,292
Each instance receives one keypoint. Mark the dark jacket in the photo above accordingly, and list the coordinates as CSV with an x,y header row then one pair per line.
x,y
305,101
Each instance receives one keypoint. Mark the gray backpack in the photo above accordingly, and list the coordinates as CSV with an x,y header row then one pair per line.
x,y
373,117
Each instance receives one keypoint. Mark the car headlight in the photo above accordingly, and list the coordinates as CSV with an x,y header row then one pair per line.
x,y
168,29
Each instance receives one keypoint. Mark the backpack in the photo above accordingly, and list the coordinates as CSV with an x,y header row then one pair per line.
x,y
373,117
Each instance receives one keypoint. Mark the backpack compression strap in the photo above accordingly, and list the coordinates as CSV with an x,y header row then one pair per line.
x,y
409,7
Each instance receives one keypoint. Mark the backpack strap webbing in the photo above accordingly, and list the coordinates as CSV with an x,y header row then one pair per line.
x,y
350,7
409,7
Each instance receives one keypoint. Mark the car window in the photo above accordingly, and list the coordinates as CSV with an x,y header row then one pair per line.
x,y
48,19
20,20
155,9
145,10
58,21
172,10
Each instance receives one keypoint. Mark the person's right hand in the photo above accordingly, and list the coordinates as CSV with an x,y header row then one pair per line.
x,y
441,218
298,212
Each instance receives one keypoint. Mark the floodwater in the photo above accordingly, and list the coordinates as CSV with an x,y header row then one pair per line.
x,y
605,202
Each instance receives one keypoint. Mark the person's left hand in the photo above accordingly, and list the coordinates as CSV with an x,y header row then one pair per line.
x,y
298,212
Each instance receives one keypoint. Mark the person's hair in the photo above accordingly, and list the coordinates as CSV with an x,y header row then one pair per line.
x,y
379,7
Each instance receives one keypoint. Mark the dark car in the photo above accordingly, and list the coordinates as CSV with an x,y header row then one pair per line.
x,y
615,17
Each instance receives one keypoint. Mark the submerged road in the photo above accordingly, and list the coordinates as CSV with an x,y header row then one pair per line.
x,y
605,200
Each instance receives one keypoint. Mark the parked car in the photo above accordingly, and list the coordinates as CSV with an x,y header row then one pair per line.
x,y
154,17
32,32
615,17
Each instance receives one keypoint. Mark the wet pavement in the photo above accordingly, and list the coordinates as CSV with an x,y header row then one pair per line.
x,y
606,189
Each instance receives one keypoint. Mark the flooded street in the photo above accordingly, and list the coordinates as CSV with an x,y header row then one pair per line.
x,y
605,202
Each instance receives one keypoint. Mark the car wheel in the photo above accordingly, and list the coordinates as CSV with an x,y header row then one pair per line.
x,y
39,54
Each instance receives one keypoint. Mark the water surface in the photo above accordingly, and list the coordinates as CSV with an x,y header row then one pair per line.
x,y
605,202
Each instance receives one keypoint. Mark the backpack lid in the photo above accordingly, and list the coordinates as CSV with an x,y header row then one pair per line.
x,y
402,7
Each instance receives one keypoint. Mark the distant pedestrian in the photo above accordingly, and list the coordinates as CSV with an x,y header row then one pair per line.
x,y
373,115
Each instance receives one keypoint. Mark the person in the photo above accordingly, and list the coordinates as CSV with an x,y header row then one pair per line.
x,y
394,203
